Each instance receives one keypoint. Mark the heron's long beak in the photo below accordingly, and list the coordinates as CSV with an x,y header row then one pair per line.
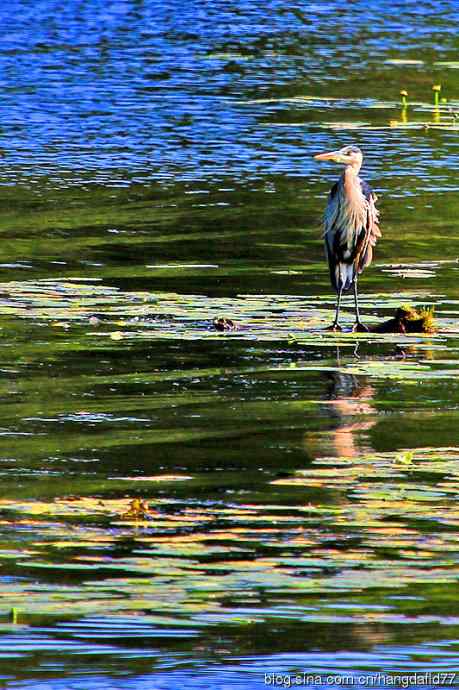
x,y
331,156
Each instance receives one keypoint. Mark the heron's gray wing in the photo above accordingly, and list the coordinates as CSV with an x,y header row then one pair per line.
x,y
332,209
331,216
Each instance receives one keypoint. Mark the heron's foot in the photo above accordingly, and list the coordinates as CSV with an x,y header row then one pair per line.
x,y
360,327
334,328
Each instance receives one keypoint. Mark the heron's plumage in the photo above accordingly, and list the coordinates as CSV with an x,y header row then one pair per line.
x,y
350,229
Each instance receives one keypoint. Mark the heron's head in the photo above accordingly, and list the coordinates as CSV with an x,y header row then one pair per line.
x,y
348,155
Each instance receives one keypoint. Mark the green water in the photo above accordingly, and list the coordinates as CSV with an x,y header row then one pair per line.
x,y
300,487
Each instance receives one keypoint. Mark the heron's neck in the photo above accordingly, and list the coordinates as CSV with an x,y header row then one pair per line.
x,y
352,171
351,184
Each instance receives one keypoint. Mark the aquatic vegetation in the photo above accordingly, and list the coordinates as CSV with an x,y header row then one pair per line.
x,y
183,506
436,88
447,63
71,304
143,553
382,526
404,61
407,319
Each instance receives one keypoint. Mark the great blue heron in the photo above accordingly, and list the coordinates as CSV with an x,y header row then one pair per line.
x,y
351,227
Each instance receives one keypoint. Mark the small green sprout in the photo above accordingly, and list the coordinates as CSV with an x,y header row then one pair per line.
x,y
436,88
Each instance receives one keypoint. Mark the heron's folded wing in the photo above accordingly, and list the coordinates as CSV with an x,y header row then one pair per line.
x,y
332,209
370,233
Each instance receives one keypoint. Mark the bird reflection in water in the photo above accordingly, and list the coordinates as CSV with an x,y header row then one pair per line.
x,y
348,405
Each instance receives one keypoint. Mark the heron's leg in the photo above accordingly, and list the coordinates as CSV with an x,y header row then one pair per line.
x,y
356,300
335,325
358,326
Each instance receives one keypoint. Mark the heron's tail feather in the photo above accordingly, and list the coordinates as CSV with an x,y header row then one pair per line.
x,y
344,276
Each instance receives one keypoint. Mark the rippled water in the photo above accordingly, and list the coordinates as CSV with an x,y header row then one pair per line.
x,y
297,489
